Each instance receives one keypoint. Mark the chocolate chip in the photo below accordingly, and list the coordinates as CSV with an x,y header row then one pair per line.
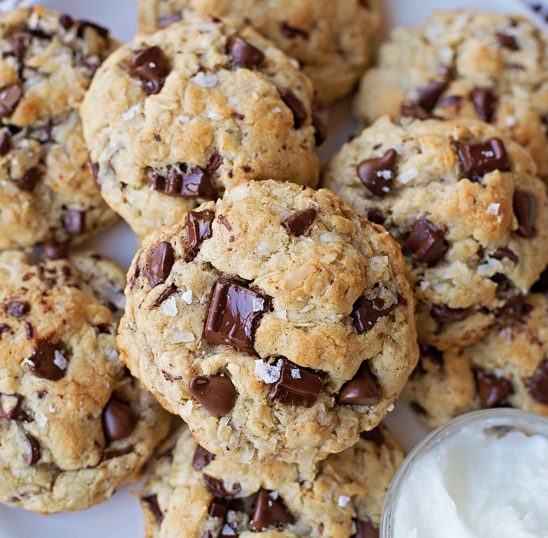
x,y
297,385
202,458
185,181
538,383
216,393
492,390
300,223
411,110
445,315
164,22
480,159
234,314
366,313
34,451
54,251
426,242
514,309
28,181
377,174
74,222
151,67
198,227
5,144
541,285
119,420
320,127
292,32
19,42
269,512
295,105
9,99
17,309
507,41
217,487
504,252
485,102
524,208
375,436
376,215
44,362
430,95
151,502
362,389
244,54
82,25
159,263
166,294
365,529
11,408
66,21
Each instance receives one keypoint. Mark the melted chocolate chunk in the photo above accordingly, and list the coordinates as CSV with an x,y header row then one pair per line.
x,y
198,227
445,315
28,181
54,251
5,144
504,252
480,159
375,436
377,174
362,389
217,487
151,67
185,181
9,99
538,383
524,208
492,390
34,451
292,32
376,215
270,511
119,420
151,502
430,95
202,458
426,242
159,263
11,408
411,110
295,105
485,102
216,393
297,385
17,309
164,22
244,54
44,362
366,313
320,127
365,529
74,222
234,314
166,294
301,222
507,41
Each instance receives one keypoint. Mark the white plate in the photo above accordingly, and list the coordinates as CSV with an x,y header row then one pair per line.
x,y
121,517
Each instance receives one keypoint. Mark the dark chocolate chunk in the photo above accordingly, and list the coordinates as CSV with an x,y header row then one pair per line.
x,y
540,286
217,508
507,41
538,383
119,420
411,110
377,174
168,292
11,408
270,511
217,487
365,529
198,227
28,181
151,67
430,95
320,127
514,309
66,21
524,208
362,389
480,159
426,242
492,390
202,458
29,330
216,393
295,105
5,144
297,385
301,222
375,436
376,215
74,222
9,99
17,309
152,505
34,451
44,362
292,32
159,263
244,54
504,252
19,42
54,251
234,314
117,452
446,315
164,22
185,181
485,102
366,313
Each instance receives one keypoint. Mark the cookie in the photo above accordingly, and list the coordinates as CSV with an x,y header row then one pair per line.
x,y
173,119
192,493
275,321
332,41
464,64
74,426
507,368
47,189
467,208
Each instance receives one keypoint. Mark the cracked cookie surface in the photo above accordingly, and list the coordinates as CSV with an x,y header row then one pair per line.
x,y
74,426
174,118
47,189
275,321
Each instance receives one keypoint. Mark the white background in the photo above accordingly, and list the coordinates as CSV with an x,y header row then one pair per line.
x,y
121,517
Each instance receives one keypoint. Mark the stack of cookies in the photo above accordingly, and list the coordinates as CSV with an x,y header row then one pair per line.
x,y
277,324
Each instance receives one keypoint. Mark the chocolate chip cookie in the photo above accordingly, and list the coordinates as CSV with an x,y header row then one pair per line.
x,y
507,368
275,321
207,496
467,208
47,189
331,40
74,426
486,66
174,118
